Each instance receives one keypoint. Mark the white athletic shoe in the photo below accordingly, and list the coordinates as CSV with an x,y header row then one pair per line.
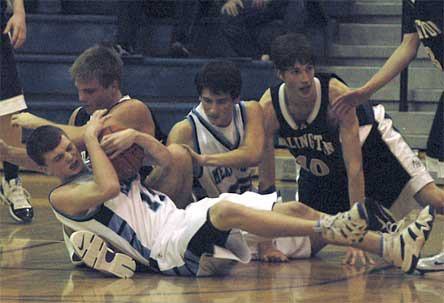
x,y
73,257
18,199
345,228
95,253
403,248
431,264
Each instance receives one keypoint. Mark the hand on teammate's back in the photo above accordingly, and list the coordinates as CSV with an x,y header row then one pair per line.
x,y
349,100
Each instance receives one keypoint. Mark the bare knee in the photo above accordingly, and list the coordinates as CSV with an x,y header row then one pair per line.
x,y
431,195
296,209
225,215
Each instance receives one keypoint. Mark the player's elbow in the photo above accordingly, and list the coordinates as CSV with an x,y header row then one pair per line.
x,y
253,156
255,161
111,190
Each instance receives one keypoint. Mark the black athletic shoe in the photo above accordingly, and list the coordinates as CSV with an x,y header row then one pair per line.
x,y
380,218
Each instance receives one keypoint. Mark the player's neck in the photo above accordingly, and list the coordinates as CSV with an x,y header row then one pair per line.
x,y
116,99
299,107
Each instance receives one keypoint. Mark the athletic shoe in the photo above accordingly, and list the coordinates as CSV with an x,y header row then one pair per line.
x,y
347,227
403,249
73,256
379,217
431,264
95,253
17,198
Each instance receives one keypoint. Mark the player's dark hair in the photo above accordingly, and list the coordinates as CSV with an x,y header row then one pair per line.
x,y
42,140
98,62
286,50
220,77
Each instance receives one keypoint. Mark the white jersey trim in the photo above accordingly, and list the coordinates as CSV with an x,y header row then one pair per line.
x,y
420,177
12,105
314,113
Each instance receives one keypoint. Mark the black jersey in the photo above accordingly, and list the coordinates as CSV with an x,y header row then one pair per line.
x,y
426,17
315,144
3,14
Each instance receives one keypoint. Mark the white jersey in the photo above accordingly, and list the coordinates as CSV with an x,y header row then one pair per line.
x,y
209,139
141,222
146,225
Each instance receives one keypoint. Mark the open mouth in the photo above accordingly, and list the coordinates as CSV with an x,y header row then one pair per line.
x,y
305,90
74,165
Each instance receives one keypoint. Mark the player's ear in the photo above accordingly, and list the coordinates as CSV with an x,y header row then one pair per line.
x,y
115,85
280,75
45,170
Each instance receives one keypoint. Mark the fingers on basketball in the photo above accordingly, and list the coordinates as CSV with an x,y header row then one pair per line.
x,y
128,163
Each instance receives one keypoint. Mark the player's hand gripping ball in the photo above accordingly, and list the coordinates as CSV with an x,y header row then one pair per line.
x,y
128,163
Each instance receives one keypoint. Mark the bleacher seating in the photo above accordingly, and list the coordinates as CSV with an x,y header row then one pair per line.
x,y
58,30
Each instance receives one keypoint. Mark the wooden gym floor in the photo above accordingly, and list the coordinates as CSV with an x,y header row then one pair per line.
x,y
34,268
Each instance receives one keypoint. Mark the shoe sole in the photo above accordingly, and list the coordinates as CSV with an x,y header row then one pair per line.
x,y
96,254
425,271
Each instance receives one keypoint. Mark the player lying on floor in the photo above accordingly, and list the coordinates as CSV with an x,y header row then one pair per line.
x,y
144,227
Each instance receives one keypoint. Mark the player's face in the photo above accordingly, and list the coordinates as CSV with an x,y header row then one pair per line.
x,y
94,96
299,79
218,108
65,160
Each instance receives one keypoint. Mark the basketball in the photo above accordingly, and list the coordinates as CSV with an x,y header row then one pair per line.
x,y
128,163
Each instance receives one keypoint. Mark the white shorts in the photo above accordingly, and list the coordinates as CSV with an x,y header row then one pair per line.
x,y
239,245
12,105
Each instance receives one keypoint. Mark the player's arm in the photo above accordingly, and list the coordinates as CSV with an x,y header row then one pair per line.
x,y
181,133
27,120
155,152
16,25
351,147
134,114
18,156
249,154
271,125
76,199
397,62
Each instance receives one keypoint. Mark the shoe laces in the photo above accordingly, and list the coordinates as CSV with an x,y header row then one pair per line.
x,y
394,228
18,195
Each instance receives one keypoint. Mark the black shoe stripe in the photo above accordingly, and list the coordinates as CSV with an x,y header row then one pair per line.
x,y
109,256
127,267
94,264
402,246
420,226
413,265
412,234
427,234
